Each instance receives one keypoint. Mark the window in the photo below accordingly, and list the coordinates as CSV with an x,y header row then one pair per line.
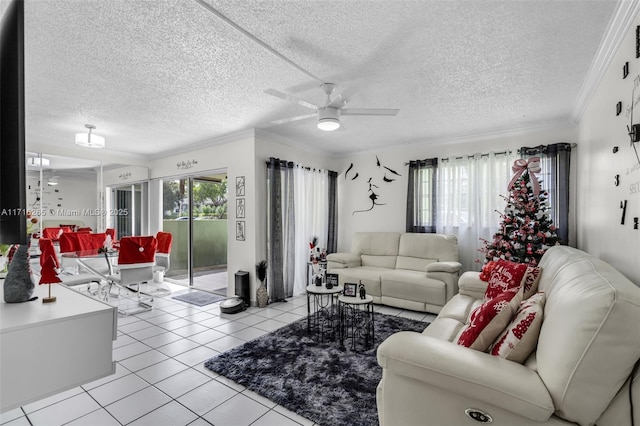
x,y
464,196
421,215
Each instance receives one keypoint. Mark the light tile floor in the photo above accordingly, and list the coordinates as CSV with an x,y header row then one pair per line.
x,y
160,376
214,281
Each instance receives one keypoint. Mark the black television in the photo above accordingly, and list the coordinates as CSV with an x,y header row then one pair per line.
x,y
13,197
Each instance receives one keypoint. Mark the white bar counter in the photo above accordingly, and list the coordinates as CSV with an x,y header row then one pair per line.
x,y
47,348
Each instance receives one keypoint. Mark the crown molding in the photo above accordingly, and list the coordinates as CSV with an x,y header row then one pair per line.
x,y
231,137
619,26
558,124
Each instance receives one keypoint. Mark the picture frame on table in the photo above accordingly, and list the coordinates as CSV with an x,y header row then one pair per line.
x,y
331,280
350,289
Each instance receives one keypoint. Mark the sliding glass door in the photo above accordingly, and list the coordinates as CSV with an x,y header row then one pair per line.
x,y
195,212
128,210
175,219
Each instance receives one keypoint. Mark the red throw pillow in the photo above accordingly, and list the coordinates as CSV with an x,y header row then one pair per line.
x,y
506,276
488,320
520,338
485,273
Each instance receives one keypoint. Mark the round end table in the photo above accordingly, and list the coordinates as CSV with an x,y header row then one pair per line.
x,y
321,309
356,320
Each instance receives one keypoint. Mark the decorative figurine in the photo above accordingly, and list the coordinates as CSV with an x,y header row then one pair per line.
x,y
49,276
362,291
18,286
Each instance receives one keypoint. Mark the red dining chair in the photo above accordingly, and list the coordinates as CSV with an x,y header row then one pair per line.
x,y
82,243
80,251
52,233
163,254
136,259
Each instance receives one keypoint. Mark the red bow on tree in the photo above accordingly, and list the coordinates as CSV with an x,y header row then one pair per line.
x,y
532,166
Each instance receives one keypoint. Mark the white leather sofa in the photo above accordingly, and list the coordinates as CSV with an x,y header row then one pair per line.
x,y
410,271
580,373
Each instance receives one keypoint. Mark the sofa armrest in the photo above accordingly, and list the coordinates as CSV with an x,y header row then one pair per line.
x,y
343,260
466,372
470,284
447,272
450,267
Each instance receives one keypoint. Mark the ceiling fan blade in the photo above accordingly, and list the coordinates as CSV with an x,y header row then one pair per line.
x,y
368,111
290,119
287,97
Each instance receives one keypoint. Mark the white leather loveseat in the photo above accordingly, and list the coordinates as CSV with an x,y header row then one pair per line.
x,y
580,373
410,271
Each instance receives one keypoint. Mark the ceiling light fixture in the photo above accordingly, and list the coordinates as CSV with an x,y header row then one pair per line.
x,y
38,161
52,181
90,140
328,119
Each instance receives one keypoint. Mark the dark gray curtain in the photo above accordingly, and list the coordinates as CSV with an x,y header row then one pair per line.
x,y
332,232
421,196
280,228
555,161
281,231
289,228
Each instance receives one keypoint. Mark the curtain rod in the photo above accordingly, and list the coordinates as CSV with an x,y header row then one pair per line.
x,y
573,145
286,164
481,155
472,156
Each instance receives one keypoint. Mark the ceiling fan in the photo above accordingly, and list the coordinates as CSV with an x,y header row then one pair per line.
x,y
328,115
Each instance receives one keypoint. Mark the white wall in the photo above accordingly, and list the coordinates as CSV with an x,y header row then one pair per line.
x,y
125,175
245,155
598,218
353,194
235,155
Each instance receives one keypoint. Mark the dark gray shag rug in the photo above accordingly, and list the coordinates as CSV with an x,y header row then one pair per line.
x,y
321,381
199,298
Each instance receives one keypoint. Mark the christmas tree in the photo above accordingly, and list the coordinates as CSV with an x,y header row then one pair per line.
x,y
527,230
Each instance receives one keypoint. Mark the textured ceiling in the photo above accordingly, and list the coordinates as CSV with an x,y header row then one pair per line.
x,y
158,75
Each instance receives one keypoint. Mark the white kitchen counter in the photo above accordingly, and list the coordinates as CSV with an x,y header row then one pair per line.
x,y
47,348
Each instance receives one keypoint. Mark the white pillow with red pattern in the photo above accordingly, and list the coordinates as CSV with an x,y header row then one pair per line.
x,y
520,338
530,281
488,320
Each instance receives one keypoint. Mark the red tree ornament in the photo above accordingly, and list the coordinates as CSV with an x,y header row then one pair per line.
x,y
48,275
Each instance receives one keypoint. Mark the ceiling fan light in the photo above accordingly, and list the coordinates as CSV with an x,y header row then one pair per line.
x,y
90,140
328,124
